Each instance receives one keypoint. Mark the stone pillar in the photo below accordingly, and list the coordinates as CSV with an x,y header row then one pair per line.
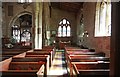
x,y
47,22
38,25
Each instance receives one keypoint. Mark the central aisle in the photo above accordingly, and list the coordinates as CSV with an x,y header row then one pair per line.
x,y
58,68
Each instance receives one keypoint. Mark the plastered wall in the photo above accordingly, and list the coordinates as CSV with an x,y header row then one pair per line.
x,y
100,44
57,15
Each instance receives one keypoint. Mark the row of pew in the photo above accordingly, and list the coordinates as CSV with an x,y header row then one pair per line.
x,y
83,62
7,53
32,63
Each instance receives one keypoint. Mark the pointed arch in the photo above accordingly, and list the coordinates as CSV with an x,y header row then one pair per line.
x,y
103,18
64,28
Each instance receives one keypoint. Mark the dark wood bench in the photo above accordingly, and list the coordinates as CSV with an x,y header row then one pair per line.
x,y
77,59
12,52
14,49
4,58
88,58
51,51
38,54
25,65
41,58
85,53
19,73
92,69
29,59
23,69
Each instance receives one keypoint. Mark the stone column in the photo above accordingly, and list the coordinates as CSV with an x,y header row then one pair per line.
x,y
38,25
47,22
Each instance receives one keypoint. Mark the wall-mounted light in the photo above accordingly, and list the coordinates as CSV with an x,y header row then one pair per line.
x,y
48,34
85,34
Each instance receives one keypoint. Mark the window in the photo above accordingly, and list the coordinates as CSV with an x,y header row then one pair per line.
x,y
16,33
64,29
26,36
103,19
68,30
22,31
59,31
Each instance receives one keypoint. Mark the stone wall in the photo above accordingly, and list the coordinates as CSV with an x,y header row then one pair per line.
x,y
7,19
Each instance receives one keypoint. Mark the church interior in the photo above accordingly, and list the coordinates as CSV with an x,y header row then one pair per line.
x,y
59,39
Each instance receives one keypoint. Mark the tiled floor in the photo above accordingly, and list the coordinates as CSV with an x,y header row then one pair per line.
x,y
58,68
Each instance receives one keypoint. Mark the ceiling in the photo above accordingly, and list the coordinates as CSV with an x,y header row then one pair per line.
x,y
68,6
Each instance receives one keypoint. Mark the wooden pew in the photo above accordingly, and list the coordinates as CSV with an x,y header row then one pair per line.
x,y
40,58
88,58
79,51
29,59
12,52
25,65
19,73
71,51
82,69
4,58
75,60
40,55
83,62
23,69
84,53
50,48
14,49
51,51
37,53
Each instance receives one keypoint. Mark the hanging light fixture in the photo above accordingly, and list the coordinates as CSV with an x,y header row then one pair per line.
x,y
25,3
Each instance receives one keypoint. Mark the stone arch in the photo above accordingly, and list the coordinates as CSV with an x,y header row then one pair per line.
x,y
17,16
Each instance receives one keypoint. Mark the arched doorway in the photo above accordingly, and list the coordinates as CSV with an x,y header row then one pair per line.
x,y
21,29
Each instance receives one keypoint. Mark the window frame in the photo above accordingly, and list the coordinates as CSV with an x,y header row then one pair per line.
x,y
64,23
107,24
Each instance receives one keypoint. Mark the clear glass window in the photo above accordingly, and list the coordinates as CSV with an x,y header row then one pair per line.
x,y
103,19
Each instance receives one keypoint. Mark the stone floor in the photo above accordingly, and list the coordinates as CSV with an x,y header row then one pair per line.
x,y
58,68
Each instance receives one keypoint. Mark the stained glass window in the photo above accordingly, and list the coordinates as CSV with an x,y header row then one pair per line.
x,y
59,31
16,33
22,31
64,29
68,31
26,36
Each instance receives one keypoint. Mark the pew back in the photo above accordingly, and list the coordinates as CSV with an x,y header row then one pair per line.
x,y
25,65
83,72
